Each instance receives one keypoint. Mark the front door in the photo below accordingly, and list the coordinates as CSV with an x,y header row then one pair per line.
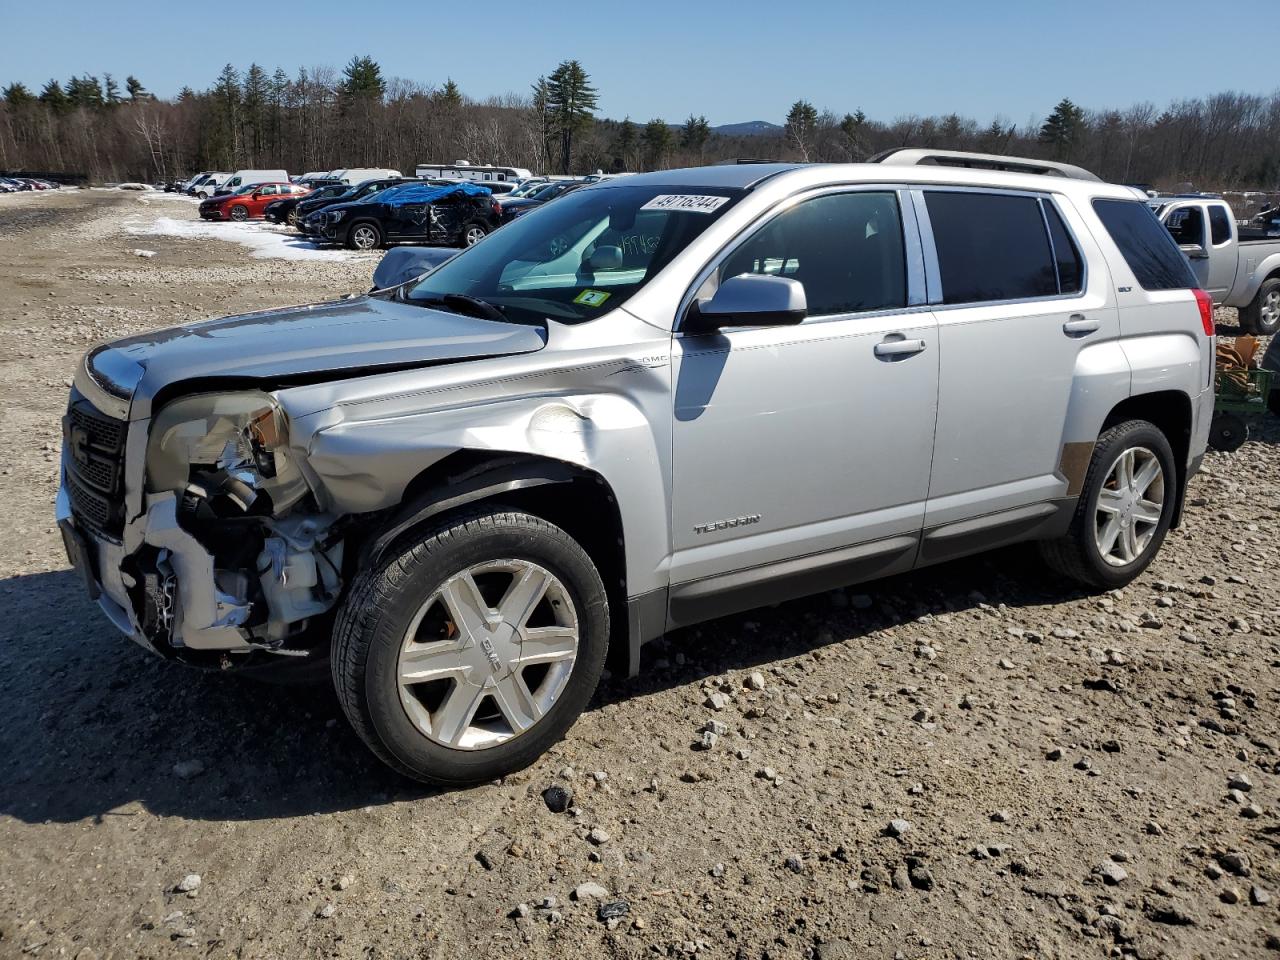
x,y
794,448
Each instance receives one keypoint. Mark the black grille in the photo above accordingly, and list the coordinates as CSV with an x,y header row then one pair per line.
x,y
94,459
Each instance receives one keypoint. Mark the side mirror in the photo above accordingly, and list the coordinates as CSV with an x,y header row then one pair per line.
x,y
401,264
604,258
751,300
1195,251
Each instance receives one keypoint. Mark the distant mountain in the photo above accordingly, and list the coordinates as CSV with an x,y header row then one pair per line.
x,y
752,128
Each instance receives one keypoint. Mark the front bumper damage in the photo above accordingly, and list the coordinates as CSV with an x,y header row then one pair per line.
x,y
172,593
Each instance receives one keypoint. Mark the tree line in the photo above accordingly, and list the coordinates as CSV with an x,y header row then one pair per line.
x,y
321,118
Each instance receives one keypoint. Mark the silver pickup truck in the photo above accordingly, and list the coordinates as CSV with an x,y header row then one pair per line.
x,y
658,400
1239,266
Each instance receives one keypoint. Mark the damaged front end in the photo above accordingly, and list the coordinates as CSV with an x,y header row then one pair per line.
x,y
196,529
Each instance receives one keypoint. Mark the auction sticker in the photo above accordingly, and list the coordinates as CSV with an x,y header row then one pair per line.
x,y
591,298
690,202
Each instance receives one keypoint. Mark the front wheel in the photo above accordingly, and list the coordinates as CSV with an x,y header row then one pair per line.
x,y
239,213
470,650
1262,315
1124,510
473,234
364,236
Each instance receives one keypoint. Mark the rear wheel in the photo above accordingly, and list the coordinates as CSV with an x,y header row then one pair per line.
x,y
1124,510
473,233
364,236
239,213
1262,315
469,651
292,217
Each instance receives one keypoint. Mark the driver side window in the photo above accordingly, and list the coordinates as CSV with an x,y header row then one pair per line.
x,y
845,248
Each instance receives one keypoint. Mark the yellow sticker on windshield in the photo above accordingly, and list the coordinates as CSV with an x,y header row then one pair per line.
x,y
591,298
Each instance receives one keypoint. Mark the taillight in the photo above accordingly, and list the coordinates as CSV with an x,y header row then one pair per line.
x,y
1205,303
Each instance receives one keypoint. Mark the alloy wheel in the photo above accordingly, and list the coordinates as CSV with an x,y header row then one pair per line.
x,y
488,654
1130,505
364,237
239,213
1270,309
474,235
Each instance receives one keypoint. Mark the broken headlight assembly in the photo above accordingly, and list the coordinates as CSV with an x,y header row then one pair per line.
x,y
228,453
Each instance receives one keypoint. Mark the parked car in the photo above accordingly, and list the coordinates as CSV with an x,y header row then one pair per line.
x,y
662,399
456,215
317,182
246,178
285,209
249,202
361,190
548,192
1239,266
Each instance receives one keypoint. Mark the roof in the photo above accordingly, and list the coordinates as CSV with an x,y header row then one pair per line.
x,y
731,176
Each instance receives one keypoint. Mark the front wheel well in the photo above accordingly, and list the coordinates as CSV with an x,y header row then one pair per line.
x,y
577,500
1170,412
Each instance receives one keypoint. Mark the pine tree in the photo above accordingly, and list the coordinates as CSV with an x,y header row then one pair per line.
x,y
1064,128
542,111
450,95
84,91
657,143
802,119
135,89
54,97
17,95
112,88
852,127
695,133
624,145
571,102
362,79
254,108
226,104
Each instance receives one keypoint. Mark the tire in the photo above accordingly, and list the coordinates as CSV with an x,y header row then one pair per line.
x,y
364,236
292,218
473,233
399,608
203,195
239,213
1262,315
1227,432
1078,555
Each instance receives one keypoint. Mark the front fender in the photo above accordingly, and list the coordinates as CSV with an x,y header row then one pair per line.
x,y
360,467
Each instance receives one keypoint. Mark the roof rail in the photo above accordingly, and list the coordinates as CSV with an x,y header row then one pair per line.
x,y
915,157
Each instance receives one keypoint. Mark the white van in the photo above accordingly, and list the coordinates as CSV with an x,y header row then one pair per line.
x,y
243,178
354,175
205,185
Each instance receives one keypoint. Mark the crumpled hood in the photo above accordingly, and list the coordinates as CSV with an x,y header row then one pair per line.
x,y
353,337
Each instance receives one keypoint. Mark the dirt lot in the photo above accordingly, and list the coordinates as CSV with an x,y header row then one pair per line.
x,y
1060,767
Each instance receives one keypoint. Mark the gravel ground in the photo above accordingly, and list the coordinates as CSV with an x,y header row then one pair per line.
x,y
974,761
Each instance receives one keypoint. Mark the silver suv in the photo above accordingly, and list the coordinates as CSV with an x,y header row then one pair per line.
x,y
658,400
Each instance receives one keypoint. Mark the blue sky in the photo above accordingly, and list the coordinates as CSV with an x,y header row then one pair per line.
x,y
731,61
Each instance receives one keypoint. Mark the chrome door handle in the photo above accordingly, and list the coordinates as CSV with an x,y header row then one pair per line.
x,y
898,348
1079,323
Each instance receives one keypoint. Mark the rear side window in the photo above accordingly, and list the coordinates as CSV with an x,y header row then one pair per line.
x,y
1219,225
991,247
1065,253
1146,246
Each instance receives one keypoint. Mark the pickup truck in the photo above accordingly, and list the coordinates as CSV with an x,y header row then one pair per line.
x,y
1238,266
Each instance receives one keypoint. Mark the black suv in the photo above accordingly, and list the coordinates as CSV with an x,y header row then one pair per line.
x,y
309,205
285,210
454,215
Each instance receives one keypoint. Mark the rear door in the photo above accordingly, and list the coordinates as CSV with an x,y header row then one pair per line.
x,y
1016,307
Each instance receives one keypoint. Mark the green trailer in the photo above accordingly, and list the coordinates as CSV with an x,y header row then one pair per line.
x,y
1238,394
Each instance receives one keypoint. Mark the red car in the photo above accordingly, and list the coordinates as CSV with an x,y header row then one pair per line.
x,y
249,202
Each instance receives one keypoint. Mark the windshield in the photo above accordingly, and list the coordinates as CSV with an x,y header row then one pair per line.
x,y
581,256
546,191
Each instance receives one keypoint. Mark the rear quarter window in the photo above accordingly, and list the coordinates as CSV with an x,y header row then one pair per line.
x,y
1146,246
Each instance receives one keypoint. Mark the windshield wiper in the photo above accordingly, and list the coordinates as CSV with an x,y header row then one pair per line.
x,y
463,304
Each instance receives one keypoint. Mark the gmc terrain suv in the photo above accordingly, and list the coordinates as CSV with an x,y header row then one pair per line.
x,y
658,400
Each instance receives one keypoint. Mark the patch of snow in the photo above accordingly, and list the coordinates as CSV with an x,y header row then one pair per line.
x,y
143,253
263,240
